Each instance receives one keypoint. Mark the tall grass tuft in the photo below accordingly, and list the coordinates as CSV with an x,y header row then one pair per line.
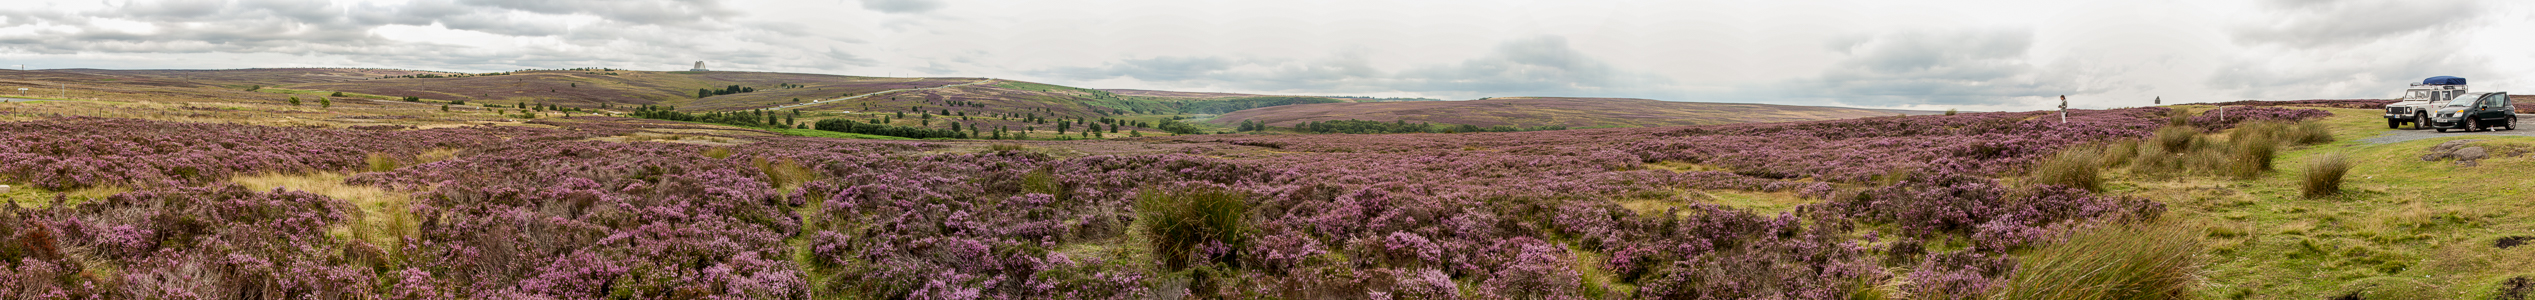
x,y
2310,133
2178,117
2119,153
2251,155
2323,176
381,162
2077,167
2176,139
2113,262
1178,221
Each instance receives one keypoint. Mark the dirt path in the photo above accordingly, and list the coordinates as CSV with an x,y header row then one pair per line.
x,y
2409,134
877,93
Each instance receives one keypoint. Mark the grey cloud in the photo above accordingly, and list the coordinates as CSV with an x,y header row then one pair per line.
x,y
1962,67
2316,23
634,12
1544,66
631,31
2349,48
1167,68
903,6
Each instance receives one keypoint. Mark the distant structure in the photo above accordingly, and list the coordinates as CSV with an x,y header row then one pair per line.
x,y
699,67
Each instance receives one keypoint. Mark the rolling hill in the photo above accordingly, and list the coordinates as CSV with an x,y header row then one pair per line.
x,y
1550,111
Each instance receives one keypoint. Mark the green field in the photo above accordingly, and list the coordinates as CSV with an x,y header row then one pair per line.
x,y
2403,229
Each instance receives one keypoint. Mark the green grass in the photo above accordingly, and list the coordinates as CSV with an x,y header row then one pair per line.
x,y
2397,216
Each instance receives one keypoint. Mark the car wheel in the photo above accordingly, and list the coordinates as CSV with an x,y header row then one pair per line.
x,y
2393,124
2511,123
2472,124
2420,120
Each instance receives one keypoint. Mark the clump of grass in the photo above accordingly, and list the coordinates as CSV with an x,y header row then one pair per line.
x,y
1177,221
1040,181
785,174
2323,175
2077,167
2176,139
1005,147
2179,116
2310,133
382,162
718,152
2251,155
2118,153
2113,262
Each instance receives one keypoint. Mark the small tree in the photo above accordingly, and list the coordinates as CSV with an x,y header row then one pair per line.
x,y
444,108
322,102
338,94
294,101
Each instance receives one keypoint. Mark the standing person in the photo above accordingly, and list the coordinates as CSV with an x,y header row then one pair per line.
x,y
2063,108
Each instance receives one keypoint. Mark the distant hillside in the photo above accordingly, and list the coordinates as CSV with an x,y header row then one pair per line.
x,y
1171,94
247,77
626,88
1548,111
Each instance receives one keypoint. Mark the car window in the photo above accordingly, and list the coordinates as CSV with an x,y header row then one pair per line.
x,y
2463,101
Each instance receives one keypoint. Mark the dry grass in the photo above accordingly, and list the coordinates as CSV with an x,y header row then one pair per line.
x,y
718,152
30,196
384,216
2077,167
2113,262
786,174
2323,175
382,162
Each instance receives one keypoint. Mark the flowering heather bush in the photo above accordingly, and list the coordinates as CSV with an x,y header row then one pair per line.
x,y
2334,103
548,213
2214,120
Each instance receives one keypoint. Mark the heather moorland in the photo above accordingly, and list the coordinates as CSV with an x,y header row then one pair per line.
x,y
218,193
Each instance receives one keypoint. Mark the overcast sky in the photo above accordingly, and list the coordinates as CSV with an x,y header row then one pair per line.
x,y
1974,55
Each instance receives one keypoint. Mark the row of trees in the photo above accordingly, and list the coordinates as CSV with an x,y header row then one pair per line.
x,y
874,128
733,89
747,118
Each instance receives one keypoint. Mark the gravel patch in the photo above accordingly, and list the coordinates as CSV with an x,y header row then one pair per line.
x,y
2408,134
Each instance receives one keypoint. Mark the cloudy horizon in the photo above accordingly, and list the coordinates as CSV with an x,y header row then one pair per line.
x,y
1973,55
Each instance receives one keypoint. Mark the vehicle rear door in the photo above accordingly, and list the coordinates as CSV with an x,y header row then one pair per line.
x,y
2494,106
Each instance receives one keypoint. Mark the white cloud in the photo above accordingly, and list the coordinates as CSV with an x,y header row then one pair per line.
x,y
1921,54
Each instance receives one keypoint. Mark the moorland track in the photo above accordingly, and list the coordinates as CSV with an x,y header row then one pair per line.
x,y
985,81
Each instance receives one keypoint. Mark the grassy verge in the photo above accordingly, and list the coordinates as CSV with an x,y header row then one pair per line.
x,y
2400,227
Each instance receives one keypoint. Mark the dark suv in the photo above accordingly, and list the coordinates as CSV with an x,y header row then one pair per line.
x,y
2475,112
